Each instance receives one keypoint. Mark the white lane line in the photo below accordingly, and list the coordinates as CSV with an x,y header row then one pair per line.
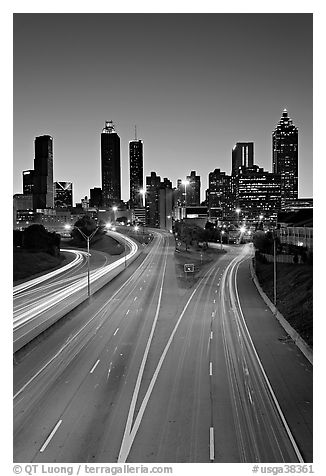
x,y
211,444
135,298
140,288
127,312
211,335
214,301
94,366
50,436
213,314
210,369
110,366
116,331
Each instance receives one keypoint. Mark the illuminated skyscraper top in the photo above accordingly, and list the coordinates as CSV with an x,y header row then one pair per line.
x,y
285,157
110,165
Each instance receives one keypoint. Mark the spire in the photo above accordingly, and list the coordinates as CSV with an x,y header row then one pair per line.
x,y
109,127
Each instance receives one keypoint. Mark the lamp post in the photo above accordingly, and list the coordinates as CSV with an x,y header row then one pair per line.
x,y
238,211
274,273
88,239
222,233
115,217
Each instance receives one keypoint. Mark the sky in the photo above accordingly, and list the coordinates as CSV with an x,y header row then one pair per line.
x,y
194,84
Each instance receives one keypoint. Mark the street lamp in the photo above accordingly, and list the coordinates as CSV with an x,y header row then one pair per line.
x,y
88,239
222,233
115,211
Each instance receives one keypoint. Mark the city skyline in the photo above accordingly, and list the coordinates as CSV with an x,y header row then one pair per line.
x,y
194,85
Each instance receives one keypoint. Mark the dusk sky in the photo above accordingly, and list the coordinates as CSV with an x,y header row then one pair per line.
x,y
195,84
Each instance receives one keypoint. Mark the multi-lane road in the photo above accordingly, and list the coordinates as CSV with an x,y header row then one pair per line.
x,y
158,369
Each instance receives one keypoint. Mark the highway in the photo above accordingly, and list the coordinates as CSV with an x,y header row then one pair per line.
x,y
40,301
153,369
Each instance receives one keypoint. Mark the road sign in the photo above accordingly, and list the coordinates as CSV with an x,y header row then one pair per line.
x,y
189,268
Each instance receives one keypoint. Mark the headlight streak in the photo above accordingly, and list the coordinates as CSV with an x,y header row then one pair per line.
x,y
260,425
44,304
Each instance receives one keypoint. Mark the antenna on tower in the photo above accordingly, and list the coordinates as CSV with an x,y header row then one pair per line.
x,y
135,132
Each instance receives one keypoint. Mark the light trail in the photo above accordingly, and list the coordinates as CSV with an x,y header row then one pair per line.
x,y
21,317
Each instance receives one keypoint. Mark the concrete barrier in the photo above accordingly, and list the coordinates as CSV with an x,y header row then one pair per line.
x,y
297,339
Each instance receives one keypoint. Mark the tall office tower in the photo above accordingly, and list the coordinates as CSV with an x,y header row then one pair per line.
x,y
193,190
220,200
165,204
43,196
62,194
28,182
153,183
136,172
95,197
285,157
242,156
259,193
110,165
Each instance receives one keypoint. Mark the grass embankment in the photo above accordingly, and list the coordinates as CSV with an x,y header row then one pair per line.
x,y
29,263
294,294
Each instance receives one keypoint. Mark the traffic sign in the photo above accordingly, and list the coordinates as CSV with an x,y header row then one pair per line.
x,y
189,268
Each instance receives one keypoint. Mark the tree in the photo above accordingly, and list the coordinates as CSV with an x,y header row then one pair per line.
x,y
36,237
86,224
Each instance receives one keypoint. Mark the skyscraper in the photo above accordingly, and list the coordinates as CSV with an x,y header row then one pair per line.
x,y
110,165
152,200
242,156
193,190
63,194
285,157
43,196
136,172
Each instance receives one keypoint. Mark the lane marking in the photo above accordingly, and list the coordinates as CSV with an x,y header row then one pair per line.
x,y
211,444
129,436
51,435
127,312
211,335
116,331
210,369
213,313
135,298
94,366
214,301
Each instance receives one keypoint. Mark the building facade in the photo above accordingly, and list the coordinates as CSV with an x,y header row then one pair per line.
x,y
62,194
285,157
258,193
28,182
152,200
219,195
242,156
95,197
110,166
192,192
136,172
43,196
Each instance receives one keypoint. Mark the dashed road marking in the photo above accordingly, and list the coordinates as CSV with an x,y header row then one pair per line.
x,y
50,436
94,366
210,369
116,331
211,444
